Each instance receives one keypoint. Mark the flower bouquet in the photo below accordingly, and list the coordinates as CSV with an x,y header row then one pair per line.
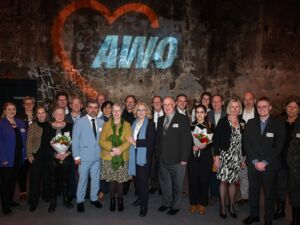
x,y
201,138
61,143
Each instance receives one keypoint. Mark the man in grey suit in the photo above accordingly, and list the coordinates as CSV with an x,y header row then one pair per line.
x,y
174,144
86,153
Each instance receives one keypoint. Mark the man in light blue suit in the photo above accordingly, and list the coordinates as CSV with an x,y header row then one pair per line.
x,y
86,153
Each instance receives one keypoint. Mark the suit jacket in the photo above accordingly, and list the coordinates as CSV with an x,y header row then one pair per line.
x,y
211,116
8,141
175,146
69,119
255,113
84,144
266,146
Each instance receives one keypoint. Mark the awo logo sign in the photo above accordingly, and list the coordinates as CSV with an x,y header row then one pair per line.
x,y
116,51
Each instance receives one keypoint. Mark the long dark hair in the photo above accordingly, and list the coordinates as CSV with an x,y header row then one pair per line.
x,y
206,122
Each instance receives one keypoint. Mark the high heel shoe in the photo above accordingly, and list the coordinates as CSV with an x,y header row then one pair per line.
x,y
222,215
232,211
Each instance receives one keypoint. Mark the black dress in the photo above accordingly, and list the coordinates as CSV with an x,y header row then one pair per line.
x,y
59,170
40,169
199,171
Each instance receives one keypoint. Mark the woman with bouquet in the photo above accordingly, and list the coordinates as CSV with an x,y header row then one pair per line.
x,y
228,155
115,154
200,161
60,167
39,156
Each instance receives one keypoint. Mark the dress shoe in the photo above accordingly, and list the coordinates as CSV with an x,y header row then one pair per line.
x,y
222,215
23,196
193,209
242,201
52,206
80,207
68,204
13,204
97,204
143,212
112,206
120,204
136,203
163,208
6,211
152,190
250,220
32,208
280,210
201,209
173,212
232,212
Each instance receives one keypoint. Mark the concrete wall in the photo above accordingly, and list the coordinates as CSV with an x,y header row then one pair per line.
x,y
226,47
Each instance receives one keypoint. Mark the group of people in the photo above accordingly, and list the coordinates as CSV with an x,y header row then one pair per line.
x,y
158,148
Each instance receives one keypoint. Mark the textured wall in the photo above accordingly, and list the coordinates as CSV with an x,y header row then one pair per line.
x,y
224,46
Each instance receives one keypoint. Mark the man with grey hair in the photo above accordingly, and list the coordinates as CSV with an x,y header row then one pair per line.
x,y
174,142
249,112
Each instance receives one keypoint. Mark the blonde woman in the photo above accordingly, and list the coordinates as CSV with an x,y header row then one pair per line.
x,y
228,154
141,150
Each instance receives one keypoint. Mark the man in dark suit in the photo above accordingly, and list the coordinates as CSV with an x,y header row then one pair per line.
x,y
249,112
174,142
214,116
157,111
263,141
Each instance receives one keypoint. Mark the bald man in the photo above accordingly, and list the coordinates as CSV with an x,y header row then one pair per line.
x,y
249,112
174,143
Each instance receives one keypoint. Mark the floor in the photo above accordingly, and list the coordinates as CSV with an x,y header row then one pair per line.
x,y
129,216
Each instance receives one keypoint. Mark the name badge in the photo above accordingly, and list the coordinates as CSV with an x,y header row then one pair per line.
x,y
175,125
298,135
22,130
269,135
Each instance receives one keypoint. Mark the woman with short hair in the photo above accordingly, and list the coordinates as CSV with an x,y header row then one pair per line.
x,y
12,154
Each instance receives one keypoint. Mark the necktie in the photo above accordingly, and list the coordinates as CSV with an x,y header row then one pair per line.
x,y
166,125
94,127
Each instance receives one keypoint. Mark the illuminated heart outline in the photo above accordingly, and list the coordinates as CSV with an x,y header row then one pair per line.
x,y
58,45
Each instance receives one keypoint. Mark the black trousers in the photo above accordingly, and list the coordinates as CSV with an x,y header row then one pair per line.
x,y
60,175
199,172
141,181
22,176
282,184
39,181
266,180
8,177
154,171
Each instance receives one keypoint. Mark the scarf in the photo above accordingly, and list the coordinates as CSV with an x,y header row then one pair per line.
x,y
138,157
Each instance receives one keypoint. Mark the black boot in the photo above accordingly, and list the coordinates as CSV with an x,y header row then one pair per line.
x,y
295,216
280,210
52,206
112,206
120,204
66,201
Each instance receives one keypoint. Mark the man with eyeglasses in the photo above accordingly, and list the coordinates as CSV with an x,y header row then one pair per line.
x,y
263,142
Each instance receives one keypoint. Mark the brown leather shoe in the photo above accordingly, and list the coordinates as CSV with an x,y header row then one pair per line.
x,y
201,209
193,208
